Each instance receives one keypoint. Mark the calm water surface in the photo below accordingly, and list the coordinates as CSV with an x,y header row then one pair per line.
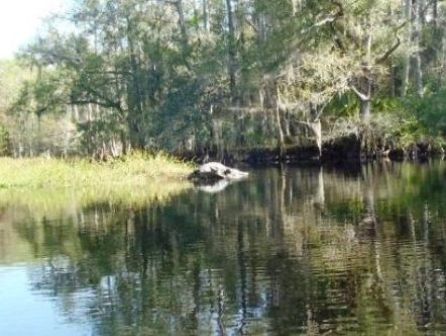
x,y
292,251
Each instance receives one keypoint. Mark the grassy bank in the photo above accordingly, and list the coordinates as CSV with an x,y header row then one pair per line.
x,y
135,170
53,186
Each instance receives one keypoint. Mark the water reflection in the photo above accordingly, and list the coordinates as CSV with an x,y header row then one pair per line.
x,y
291,251
214,188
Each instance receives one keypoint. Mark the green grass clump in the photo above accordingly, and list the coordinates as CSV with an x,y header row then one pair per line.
x,y
52,187
135,170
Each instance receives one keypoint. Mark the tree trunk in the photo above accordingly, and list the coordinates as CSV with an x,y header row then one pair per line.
x,y
366,109
316,128
294,5
417,42
392,80
365,100
281,137
435,13
205,16
182,24
135,113
442,59
231,49
366,104
407,57
124,144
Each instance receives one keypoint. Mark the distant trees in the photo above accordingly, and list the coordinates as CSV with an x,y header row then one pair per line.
x,y
214,74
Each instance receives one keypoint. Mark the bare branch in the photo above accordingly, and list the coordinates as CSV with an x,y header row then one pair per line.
x,y
389,52
247,109
361,95
252,25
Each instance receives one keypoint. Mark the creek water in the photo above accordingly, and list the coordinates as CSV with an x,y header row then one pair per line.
x,y
291,251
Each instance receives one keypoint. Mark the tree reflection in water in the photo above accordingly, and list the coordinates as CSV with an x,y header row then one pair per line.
x,y
290,251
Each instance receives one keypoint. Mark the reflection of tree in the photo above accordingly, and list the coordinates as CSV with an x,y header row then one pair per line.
x,y
291,251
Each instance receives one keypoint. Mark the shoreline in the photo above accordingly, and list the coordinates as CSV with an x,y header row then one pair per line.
x,y
53,186
341,151
138,170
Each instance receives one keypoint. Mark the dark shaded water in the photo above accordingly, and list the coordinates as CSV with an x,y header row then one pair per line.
x,y
287,252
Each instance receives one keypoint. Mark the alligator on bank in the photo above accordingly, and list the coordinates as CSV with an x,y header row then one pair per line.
x,y
213,172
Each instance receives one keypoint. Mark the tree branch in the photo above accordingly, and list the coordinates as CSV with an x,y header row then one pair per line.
x,y
328,19
249,22
389,52
360,95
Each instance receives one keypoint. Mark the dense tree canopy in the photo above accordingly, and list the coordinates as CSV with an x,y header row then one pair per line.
x,y
215,75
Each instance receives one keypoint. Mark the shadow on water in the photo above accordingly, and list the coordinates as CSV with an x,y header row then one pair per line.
x,y
289,251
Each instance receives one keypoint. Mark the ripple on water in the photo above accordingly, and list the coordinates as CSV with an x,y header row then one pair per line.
x,y
305,251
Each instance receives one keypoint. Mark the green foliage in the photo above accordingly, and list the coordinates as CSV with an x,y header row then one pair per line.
x,y
175,76
430,112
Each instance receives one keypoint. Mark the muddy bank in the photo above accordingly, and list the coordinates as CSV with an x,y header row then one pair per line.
x,y
346,149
